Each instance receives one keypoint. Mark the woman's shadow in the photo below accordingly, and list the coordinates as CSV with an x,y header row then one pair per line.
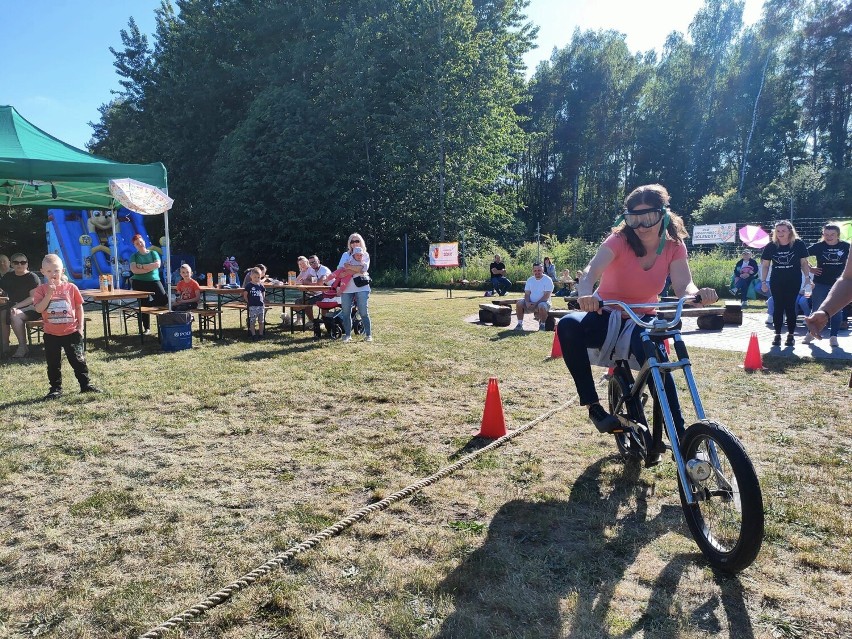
x,y
548,564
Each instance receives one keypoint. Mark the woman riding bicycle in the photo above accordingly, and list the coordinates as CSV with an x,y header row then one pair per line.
x,y
632,265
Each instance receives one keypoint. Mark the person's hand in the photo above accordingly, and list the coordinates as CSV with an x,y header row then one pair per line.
x,y
51,290
815,322
589,304
708,295
764,286
816,271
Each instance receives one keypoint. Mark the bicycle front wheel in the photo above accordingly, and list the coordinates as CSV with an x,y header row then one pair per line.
x,y
726,519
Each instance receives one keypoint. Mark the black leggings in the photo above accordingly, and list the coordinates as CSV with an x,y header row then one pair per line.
x,y
784,296
158,297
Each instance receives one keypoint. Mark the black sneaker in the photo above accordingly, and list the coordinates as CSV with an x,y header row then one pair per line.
x,y
777,340
791,341
54,393
603,421
90,389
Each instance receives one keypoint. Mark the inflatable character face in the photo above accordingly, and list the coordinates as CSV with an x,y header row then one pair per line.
x,y
100,222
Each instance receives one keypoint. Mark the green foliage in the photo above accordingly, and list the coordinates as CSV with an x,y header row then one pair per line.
x,y
712,269
287,126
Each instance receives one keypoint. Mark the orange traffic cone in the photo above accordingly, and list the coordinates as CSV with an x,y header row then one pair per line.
x,y
556,349
753,361
493,421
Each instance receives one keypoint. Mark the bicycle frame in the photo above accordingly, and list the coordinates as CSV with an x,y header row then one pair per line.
x,y
656,331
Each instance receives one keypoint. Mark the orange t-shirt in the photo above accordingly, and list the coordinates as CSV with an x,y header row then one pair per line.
x,y
60,316
625,280
187,289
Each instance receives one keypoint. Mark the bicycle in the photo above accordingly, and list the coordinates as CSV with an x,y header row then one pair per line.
x,y
719,490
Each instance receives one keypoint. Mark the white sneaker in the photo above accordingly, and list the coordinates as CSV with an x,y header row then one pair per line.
x,y
808,339
369,338
347,339
519,326
833,340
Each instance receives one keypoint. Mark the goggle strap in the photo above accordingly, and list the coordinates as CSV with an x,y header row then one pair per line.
x,y
618,220
663,233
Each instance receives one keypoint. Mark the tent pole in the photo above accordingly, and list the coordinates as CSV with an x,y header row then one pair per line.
x,y
168,261
116,280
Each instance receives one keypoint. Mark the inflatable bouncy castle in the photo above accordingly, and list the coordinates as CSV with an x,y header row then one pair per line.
x,y
84,241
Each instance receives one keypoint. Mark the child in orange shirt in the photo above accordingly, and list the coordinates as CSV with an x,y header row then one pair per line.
x,y
61,308
188,290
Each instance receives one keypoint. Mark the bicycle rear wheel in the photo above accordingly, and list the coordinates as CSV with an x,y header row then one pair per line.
x,y
628,443
727,518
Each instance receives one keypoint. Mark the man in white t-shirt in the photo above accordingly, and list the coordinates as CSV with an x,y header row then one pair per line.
x,y
316,274
317,270
537,292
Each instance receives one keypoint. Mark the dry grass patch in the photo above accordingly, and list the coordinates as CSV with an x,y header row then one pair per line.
x,y
119,510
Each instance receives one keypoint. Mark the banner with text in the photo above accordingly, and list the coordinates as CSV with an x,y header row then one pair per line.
x,y
714,234
444,254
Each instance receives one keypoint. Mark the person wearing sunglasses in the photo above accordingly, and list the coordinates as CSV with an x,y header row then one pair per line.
x,y
646,245
18,285
357,290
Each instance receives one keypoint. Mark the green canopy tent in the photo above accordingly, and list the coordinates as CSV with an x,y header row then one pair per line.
x,y
36,169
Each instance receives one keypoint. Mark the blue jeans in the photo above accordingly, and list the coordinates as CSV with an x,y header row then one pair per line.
x,y
360,299
818,296
742,286
500,284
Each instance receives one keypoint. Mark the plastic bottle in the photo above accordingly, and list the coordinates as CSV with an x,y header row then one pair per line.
x,y
221,280
209,280
233,278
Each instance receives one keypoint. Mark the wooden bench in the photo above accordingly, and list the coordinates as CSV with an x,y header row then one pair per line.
x,y
463,284
242,307
36,328
207,318
131,313
295,308
496,314
553,316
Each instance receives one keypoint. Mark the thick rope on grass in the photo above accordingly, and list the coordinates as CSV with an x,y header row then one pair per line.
x,y
221,596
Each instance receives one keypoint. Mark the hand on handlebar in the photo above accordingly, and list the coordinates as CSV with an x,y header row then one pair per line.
x,y
707,296
589,304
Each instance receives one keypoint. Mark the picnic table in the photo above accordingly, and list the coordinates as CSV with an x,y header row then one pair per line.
x,y
112,301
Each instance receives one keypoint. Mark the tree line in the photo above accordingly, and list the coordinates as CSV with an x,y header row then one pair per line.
x,y
286,125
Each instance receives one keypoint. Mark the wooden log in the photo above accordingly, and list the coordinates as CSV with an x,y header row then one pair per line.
x,y
553,316
733,313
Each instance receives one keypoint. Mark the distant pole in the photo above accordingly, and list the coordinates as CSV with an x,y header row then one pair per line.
x,y
462,255
406,258
538,241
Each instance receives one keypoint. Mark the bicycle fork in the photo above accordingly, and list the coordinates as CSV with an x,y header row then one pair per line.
x,y
656,369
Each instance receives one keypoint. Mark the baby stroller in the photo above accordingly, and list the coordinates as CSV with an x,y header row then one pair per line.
x,y
334,323
333,320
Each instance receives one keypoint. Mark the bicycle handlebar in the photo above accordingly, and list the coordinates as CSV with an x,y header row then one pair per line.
x,y
658,324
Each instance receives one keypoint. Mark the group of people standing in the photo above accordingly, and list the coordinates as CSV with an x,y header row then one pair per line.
x,y
785,273
349,282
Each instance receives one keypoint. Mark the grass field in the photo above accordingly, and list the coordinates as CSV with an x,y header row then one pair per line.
x,y
119,510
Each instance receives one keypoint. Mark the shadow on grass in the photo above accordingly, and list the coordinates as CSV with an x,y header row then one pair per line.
x,y
475,443
545,564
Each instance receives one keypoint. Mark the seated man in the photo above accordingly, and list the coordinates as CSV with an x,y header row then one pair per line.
x,y
537,293
318,274
499,282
